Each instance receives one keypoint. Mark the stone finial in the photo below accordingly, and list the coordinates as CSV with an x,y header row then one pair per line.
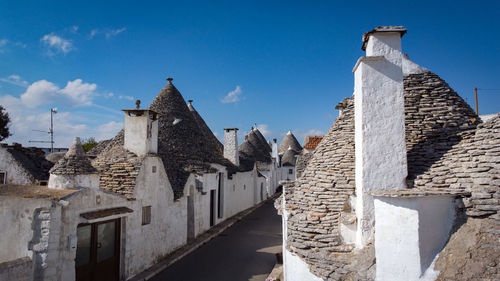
x,y
169,79
289,133
75,149
138,104
190,102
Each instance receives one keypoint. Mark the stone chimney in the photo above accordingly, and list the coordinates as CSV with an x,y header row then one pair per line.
x,y
231,145
141,130
379,123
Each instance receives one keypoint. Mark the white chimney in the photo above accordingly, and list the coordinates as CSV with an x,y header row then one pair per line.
x,y
275,153
231,145
379,123
141,130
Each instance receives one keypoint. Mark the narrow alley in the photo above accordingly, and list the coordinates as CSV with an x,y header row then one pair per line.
x,y
245,251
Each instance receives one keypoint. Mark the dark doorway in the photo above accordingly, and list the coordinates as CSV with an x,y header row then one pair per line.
x,y
98,251
261,191
220,197
190,216
212,207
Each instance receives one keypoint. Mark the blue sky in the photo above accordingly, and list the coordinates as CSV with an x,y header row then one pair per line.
x,y
286,63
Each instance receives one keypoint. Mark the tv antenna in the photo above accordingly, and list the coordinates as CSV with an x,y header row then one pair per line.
x,y
51,130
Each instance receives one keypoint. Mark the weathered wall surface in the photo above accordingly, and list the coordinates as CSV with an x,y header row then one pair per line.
x,y
19,270
17,217
73,181
15,173
477,240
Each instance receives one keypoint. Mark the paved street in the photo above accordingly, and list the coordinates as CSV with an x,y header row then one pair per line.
x,y
246,251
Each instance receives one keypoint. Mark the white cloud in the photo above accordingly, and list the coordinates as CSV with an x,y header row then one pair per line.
x,y
233,96
108,130
4,43
74,28
15,80
75,93
264,129
300,134
25,120
126,98
80,93
107,32
114,32
57,44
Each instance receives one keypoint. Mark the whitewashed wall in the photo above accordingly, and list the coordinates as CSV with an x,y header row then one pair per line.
x,y
141,245
284,173
239,193
409,233
296,269
16,174
73,181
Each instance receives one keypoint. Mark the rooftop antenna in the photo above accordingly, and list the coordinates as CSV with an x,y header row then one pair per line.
x,y
477,109
51,130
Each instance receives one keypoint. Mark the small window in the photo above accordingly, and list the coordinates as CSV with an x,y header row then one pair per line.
x,y
3,177
290,171
43,183
153,169
234,187
244,187
146,215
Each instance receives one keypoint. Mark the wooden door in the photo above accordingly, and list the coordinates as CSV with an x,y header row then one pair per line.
x,y
98,251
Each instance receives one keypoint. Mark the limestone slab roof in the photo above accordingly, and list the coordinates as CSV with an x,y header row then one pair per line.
x,y
262,140
32,159
289,158
439,124
74,162
254,150
34,191
401,29
209,136
289,141
184,146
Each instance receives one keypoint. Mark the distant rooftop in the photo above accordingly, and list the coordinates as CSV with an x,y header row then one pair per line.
x,y
312,142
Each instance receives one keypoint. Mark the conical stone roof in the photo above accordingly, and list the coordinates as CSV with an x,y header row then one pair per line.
x,y
289,158
74,162
289,141
262,139
212,141
183,146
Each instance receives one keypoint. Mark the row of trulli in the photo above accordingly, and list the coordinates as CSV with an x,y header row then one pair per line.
x,y
162,181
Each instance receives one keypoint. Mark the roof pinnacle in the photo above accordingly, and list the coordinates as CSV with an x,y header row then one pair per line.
x,y
169,79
